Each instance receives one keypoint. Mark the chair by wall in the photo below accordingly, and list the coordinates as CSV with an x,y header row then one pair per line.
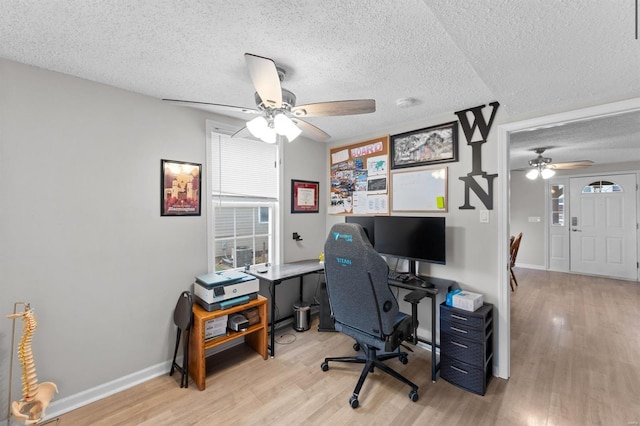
x,y
182,318
363,305
513,254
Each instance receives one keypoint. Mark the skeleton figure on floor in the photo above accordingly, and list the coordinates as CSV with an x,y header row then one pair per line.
x,y
35,397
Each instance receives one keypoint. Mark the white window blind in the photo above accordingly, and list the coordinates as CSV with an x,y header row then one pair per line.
x,y
243,169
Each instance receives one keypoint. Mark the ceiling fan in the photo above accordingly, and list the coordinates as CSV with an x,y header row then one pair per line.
x,y
544,168
277,113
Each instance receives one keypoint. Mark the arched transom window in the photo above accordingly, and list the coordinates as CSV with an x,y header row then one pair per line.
x,y
600,186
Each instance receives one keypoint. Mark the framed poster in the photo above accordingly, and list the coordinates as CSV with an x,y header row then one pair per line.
x,y
304,196
180,184
431,145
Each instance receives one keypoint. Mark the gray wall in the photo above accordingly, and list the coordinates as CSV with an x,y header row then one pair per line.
x,y
81,237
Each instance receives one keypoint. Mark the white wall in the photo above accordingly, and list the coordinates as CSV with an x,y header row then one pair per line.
x,y
81,236
527,200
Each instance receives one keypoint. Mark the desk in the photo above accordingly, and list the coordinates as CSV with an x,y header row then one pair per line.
x,y
439,285
275,275
255,336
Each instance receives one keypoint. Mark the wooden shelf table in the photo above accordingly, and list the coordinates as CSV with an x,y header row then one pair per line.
x,y
255,336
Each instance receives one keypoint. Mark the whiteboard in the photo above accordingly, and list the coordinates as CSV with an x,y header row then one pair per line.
x,y
421,190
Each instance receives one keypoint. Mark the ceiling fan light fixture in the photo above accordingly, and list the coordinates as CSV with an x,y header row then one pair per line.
x,y
284,126
546,173
269,136
533,174
258,126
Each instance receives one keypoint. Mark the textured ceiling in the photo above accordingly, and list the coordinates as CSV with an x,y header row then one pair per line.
x,y
535,57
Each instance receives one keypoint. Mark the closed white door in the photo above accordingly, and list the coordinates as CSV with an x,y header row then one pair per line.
x,y
603,226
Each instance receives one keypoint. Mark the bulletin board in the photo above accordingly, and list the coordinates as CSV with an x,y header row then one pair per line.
x,y
420,191
359,176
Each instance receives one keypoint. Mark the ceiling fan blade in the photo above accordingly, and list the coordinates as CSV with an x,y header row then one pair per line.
x,y
264,76
572,165
310,131
213,107
244,133
326,109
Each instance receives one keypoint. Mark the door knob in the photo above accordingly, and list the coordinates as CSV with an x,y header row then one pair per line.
x,y
576,230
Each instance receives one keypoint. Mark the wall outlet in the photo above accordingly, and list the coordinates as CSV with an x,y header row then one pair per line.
x,y
484,216
534,219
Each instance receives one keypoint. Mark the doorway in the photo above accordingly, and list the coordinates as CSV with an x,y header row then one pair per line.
x,y
503,198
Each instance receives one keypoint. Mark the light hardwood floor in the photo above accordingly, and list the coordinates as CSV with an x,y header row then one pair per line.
x,y
575,349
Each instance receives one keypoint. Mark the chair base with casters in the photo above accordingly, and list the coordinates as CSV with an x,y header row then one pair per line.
x,y
183,317
372,359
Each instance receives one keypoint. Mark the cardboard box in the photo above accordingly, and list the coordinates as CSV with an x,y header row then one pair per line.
x,y
450,296
467,300
215,327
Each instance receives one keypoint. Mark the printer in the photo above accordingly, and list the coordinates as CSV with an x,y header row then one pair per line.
x,y
225,289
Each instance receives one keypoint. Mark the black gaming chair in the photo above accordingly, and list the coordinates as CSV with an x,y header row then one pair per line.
x,y
363,305
183,317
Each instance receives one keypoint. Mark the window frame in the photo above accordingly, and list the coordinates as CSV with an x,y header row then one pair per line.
x,y
215,129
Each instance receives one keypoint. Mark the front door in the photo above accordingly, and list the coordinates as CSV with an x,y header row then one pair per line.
x,y
603,226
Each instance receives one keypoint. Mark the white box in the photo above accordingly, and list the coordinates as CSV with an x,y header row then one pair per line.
x,y
215,327
467,300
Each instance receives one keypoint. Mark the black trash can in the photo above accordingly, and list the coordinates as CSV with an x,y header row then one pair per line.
x,y
301,316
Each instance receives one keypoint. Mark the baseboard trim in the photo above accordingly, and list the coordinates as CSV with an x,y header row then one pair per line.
x,y
80,399
526,266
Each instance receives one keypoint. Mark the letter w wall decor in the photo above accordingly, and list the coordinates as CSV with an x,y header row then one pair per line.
x,y
469,129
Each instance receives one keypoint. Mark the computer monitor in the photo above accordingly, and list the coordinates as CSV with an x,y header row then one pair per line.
x,y
420,238
367,222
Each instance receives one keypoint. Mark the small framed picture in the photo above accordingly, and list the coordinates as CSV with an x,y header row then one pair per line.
x,y
180,184
304,196
431,145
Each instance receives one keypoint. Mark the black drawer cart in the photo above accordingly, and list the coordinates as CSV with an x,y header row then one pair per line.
x,y
466,347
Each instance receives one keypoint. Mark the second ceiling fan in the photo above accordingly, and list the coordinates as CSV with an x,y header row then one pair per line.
x,y
544,168
277,112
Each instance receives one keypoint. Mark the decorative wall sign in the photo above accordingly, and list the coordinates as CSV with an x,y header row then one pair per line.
x,y
180,184
436,144
359,175
483,129
304,196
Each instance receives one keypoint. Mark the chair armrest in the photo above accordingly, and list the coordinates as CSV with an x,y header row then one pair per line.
x,y
415,296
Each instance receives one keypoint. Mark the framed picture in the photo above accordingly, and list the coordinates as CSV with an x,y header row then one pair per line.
x,y
180,184
304,196
432,145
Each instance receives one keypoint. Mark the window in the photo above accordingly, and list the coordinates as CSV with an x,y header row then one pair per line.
x,y
601,186
244,197
557,205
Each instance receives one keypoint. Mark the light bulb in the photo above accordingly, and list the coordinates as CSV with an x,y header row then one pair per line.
x,y
268,135
547,173
258,126
533,174
283,125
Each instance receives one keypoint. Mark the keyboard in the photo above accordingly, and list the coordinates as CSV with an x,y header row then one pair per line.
x,y
406,278
398,276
